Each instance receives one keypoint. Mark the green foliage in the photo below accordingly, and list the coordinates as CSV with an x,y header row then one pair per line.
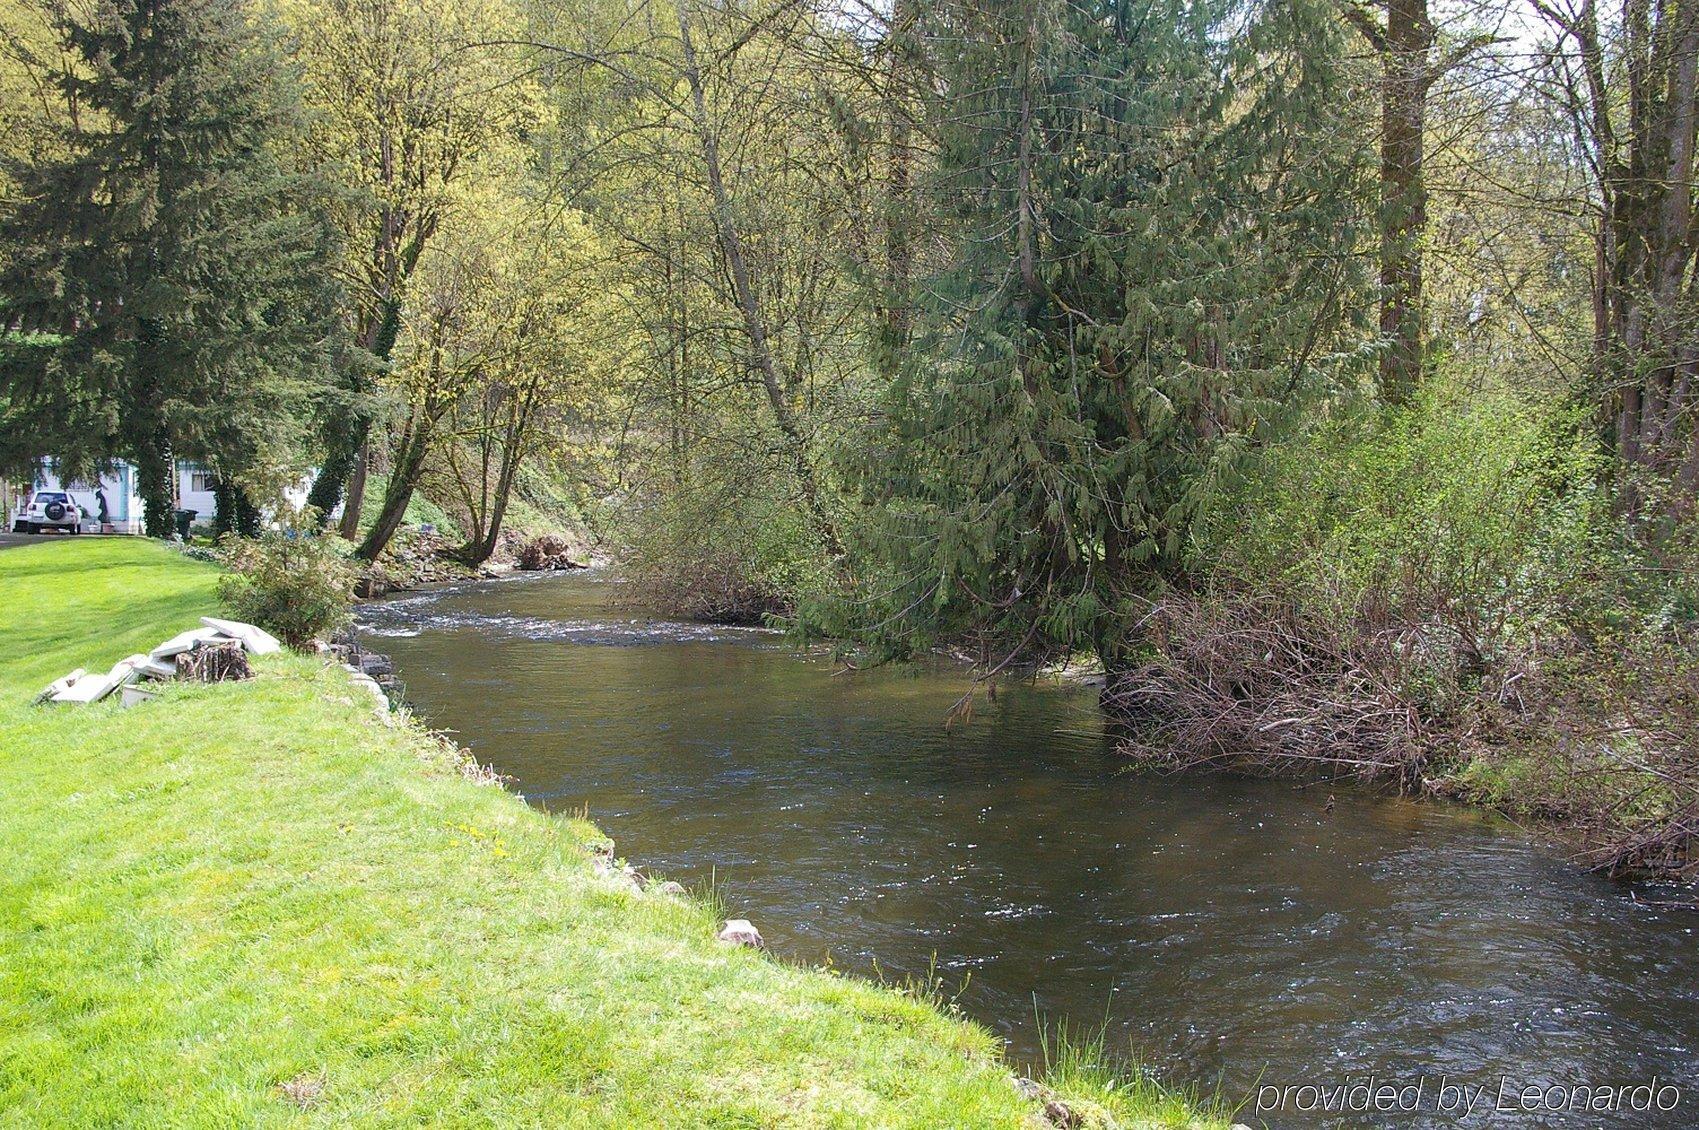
x,y
713,556
1477,508
296,585
1153,224
183,266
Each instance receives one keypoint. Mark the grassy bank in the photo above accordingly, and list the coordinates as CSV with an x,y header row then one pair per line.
x,y
259,903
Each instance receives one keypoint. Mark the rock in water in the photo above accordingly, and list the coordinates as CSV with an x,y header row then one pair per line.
x,y
741,932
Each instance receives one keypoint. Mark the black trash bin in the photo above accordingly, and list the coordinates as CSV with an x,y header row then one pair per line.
x,y
184,519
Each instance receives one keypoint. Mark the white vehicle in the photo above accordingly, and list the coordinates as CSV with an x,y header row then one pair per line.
x,y
49,510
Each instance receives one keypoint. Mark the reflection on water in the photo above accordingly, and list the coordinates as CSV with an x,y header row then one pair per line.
x,y
1225,928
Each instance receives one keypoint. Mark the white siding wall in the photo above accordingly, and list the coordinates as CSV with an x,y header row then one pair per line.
x,y
194,492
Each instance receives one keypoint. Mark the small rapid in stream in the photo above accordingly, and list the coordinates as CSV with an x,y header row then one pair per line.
x,y
1230,932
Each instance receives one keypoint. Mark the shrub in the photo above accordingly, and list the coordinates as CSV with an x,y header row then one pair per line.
x,y
1447,597
1469,510
710,555
292,583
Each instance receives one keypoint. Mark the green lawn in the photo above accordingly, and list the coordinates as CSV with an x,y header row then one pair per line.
x,y
259,903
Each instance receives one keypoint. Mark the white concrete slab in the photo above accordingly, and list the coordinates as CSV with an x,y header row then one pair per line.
x,y
60,684
185,641
258,641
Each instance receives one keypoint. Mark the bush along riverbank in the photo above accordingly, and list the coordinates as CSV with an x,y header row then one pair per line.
x,y
1595,743
262,902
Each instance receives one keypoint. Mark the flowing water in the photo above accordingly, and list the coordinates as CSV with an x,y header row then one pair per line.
x,y
1237,933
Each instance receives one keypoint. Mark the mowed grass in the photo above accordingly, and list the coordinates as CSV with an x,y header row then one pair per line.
x,y
260,903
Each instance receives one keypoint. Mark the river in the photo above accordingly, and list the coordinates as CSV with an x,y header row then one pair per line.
x,y
1232,933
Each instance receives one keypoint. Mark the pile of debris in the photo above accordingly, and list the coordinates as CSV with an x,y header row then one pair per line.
x,y
549,552
214,652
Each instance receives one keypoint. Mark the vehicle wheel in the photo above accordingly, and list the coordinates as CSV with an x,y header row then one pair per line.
x,y
31,528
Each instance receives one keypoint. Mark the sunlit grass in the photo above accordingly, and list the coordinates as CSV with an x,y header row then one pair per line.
x,y
258,903
1077,1063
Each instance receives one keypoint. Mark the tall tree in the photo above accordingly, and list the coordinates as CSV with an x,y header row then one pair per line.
x,y
169,290
557,369
407,109
1412,59
1153,221
1629,85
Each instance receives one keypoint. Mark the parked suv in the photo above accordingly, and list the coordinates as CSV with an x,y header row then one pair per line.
x,y
49,510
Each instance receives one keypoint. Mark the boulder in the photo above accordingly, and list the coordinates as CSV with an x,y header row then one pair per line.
x,y
370,685
741,932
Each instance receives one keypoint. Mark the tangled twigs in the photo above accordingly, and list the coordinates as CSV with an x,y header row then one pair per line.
x,y
1250,684
1599,737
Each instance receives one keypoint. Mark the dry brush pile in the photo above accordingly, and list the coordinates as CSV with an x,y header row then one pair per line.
x,y
1599,740
1250,683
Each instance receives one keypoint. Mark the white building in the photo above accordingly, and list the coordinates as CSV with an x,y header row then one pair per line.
x,y
193,488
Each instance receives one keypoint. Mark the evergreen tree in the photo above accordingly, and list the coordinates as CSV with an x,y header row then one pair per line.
x,y
1154,232
168,292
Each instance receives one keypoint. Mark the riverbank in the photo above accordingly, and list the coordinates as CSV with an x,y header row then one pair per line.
x,y
417,557
259,902
1592,741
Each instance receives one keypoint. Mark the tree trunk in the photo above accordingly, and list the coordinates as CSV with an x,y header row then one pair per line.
x,y
147,435
1638,115
749,303
346,454
1404,205
153,484
349,527
236,512
404,474
897,300
333,473
478,550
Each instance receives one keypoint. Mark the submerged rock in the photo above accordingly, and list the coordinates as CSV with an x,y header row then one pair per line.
x,y
741,932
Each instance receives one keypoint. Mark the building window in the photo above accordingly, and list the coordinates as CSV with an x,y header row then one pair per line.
x,y
203,481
